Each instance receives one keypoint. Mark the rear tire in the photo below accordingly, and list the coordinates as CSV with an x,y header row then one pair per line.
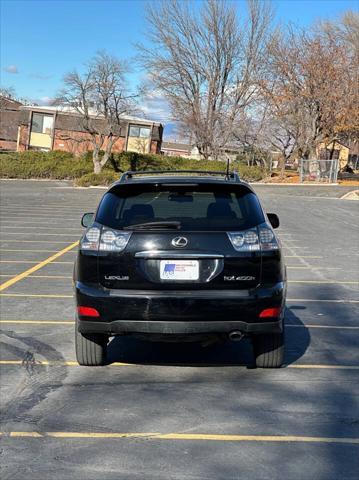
x,y
90,349
268,350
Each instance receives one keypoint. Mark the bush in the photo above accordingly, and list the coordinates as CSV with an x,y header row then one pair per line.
x,y
64,165
103,178
53,165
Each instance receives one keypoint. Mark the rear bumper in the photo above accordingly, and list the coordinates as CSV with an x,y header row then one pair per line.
x,y
118,327
180,312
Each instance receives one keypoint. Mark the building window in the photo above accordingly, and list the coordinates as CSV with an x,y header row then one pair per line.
x,y
139,132
42,123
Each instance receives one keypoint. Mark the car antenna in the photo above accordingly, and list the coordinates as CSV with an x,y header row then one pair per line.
x,y
227,170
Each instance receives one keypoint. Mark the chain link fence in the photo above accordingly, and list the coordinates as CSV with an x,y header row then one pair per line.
x,y
322,171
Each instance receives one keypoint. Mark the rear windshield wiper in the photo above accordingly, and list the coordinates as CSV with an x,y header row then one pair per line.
x,y
154,225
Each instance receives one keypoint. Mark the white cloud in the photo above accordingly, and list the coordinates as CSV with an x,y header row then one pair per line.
x,y
11,69
46,100
41,101
155,107
40,76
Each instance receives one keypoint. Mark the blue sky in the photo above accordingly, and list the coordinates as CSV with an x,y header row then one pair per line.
x,y
41,40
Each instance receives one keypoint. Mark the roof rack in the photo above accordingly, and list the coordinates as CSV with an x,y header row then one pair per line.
x,y
227,174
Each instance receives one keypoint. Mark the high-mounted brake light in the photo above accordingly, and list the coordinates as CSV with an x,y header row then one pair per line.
x,y
107,240
270,312
88,312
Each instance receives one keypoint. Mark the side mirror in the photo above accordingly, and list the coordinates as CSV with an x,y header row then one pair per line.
x,y
273,219
87,219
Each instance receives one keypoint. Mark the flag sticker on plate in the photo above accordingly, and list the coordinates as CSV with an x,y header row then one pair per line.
x,y
179,270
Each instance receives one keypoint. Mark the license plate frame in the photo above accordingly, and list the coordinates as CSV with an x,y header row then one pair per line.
x,y
179,270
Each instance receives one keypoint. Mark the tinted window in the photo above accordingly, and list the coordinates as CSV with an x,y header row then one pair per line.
x,y
198,208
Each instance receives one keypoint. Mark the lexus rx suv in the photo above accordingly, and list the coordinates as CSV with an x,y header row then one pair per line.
x,y
178,256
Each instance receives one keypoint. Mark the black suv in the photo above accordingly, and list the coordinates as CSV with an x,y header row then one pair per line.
x,y
180,256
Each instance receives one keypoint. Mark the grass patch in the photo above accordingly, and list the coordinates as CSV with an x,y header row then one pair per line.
x,y
103,178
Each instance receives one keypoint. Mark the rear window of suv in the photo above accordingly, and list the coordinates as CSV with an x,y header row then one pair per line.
x,y
197,208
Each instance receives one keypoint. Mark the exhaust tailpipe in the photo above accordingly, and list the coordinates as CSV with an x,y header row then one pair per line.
x,y
235,336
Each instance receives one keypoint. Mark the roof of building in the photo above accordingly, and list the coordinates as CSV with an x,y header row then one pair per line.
x,y
66,110
176,146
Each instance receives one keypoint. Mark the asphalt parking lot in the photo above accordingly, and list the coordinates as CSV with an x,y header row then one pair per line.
x,y
171,411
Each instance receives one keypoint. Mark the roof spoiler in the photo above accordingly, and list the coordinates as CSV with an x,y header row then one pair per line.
x,y
228,175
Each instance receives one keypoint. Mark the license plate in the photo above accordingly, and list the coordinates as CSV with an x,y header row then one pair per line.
x,y
179,270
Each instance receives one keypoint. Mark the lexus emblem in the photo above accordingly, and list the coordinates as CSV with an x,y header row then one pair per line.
x,y
179,242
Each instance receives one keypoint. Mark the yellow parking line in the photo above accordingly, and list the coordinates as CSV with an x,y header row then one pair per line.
x,y
121,364
28,272
184,436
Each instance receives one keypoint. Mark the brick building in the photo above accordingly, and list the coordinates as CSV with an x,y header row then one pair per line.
x,y
59,128
176,149
10,116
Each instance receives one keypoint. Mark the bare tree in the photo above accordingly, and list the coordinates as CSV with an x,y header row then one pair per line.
x,y
310,87
206,64
100,97
345,33
8,92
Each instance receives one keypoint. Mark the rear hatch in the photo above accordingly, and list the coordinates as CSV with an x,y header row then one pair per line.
x,y
177,236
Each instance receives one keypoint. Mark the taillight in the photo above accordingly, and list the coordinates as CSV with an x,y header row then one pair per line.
x,y
254,239
246,241
267,238
88,312
113,241
107,240
90,241
270,312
